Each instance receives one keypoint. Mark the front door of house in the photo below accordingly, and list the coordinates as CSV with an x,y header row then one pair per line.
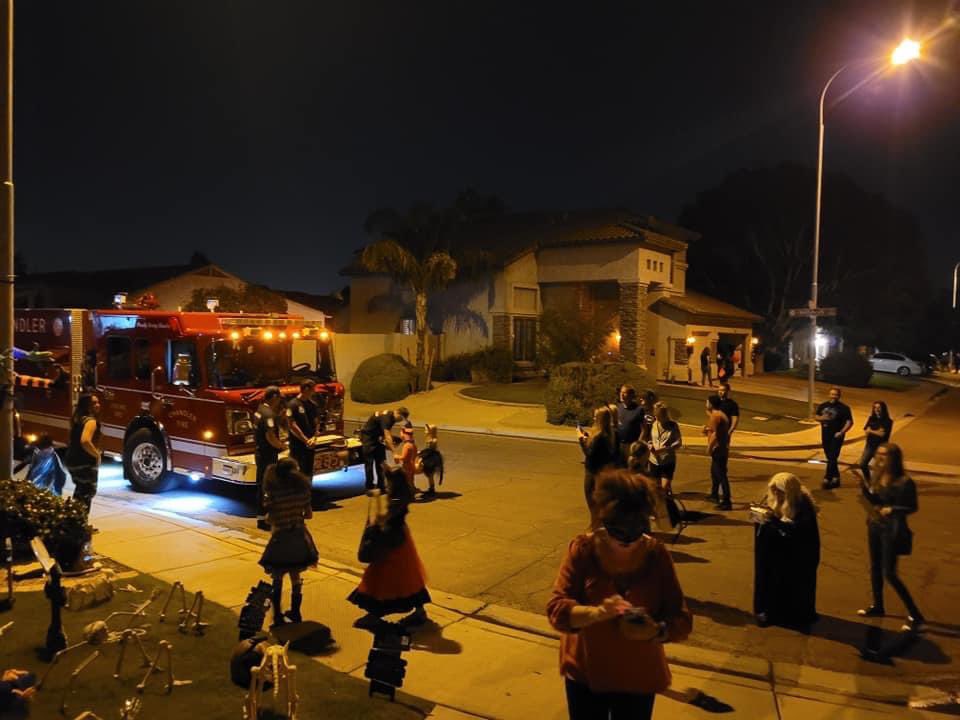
x,y
524,339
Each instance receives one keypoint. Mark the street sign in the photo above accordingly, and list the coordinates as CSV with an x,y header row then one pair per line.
x,y
813,312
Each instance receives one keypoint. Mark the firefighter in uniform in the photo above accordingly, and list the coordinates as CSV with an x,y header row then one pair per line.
x,y
268,443
302,425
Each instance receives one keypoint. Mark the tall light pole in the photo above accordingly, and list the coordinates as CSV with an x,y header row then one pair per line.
x,y
953,359
905,52
6,242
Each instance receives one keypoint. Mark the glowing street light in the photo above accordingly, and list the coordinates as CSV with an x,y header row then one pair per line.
x,y
905,52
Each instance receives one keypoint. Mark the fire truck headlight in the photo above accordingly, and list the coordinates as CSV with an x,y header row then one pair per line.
x,y
30,438
195,477
208,434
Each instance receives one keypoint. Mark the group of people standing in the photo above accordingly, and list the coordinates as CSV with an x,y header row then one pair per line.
x,y
728,364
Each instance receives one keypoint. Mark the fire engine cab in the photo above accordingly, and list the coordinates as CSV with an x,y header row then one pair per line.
x,y
209,368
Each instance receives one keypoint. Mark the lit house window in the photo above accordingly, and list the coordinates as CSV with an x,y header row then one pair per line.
x,y
408,326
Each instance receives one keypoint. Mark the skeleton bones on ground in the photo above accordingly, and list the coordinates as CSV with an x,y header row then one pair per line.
x,y
98,634
276,668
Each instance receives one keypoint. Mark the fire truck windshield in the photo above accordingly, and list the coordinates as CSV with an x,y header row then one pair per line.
x,y
247,363
257,363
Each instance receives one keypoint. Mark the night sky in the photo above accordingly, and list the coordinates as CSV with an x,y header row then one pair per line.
x,y
264,132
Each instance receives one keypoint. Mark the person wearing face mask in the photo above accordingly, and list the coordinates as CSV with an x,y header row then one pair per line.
x,y
876,431
835,420
616,601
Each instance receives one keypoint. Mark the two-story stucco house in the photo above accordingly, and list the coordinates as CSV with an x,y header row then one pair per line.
x,y
621,268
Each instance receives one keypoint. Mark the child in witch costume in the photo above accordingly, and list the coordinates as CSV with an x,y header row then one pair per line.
x,y
291,549
407,457
394,581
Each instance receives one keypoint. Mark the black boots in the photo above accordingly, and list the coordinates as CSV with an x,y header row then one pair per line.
x,y
296,599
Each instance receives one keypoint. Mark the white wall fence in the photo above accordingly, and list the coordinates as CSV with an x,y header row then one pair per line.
x,y
351,349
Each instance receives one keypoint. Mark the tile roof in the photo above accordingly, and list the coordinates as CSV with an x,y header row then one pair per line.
x,y
699,304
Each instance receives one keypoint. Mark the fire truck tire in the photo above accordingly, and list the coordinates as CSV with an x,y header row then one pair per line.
x,y
145,462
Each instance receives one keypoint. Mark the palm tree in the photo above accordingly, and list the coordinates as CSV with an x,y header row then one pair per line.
x,y
423,275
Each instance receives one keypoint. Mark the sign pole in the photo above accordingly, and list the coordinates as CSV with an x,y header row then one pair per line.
x,y
6,244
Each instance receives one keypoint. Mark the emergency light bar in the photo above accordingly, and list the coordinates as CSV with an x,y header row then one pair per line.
x,y
252,321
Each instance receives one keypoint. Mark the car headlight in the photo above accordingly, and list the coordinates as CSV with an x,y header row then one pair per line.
x,y
239,421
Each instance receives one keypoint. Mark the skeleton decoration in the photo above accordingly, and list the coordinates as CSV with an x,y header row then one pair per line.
x,y
189,618
130,710
98,635
274,668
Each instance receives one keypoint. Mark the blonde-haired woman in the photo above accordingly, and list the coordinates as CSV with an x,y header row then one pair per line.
x,y
786,556
599,445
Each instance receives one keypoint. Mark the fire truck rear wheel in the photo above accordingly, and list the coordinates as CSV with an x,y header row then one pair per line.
x,y
146,460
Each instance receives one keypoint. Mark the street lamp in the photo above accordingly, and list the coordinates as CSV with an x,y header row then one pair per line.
x,y
904,53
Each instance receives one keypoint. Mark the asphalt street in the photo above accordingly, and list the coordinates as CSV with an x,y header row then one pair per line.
x,y
932,438
508,508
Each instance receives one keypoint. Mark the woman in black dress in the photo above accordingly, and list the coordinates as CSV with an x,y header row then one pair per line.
x,y
286,498
876,431
787,554
891,497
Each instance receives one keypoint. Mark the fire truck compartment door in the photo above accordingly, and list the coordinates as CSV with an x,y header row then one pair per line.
x,y
239,469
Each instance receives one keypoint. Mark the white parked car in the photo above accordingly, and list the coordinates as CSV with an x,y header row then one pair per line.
x,y
896,363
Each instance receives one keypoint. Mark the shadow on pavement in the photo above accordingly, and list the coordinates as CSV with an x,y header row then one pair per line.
x,y
440,495
720,613
430,638
682,557
696,518
668,537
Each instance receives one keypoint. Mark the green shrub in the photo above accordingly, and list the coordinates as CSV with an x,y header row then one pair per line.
x,y
495,364
846,368
27,511
575,390
455,368
383,378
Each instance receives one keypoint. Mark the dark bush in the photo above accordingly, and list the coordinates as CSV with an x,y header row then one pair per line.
x,y
27,511
569,336
846,368
492,365
773,361
575,390
383,378
455,368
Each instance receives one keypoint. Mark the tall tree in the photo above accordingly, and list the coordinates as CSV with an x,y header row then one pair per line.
x,y
757,245
418,249
248,299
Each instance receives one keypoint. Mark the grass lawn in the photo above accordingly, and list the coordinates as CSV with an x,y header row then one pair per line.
x,y
880,381
324,693
686,404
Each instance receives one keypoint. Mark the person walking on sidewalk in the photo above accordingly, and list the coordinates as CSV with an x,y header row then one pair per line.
x,y
616,601
892,496
877,431
706,378
267,444
599,446
717,431
394,581
291,550
835,420
665,440
375,439
83,453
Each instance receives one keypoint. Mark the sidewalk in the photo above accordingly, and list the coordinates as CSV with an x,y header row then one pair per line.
x,y
475,659
445,407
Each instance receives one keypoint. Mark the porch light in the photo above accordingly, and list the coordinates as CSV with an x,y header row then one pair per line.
x,y
283,335
234,335
324,335
296,335
755,341
691,340
268,334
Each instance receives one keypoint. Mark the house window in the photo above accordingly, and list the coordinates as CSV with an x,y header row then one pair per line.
x,y
141,354
408,326
118,358
648,263
661,266
524,339
524,299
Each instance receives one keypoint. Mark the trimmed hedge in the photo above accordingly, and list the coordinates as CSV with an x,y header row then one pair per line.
x,y
846,368
383,378
496,363
575,390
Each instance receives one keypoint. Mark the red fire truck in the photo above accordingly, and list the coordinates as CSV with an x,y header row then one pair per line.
x,y
210,369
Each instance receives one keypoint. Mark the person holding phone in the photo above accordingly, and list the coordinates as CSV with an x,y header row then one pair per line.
x,y
617,600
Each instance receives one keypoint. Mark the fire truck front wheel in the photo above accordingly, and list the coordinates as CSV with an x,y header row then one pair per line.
x,y
145,462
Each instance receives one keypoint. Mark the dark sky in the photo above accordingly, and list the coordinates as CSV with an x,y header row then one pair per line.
x,y
263,133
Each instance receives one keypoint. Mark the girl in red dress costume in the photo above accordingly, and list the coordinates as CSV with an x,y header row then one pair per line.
x,y
395,581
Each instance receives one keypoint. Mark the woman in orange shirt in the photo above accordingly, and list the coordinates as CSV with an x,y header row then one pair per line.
x,y
617,600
